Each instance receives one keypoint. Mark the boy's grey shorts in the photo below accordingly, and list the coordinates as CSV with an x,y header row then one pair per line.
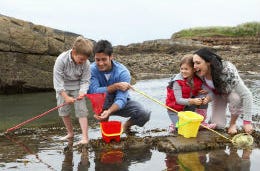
x,y
79,105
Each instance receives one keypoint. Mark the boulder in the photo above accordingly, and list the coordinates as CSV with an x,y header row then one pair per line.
x,y
28,53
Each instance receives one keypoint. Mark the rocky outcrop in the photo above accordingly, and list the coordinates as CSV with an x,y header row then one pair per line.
x,y
27,55
28,52
167,46
160,58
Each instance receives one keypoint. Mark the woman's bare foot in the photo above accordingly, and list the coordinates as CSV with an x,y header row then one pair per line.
x,y
67,137
211,125
232,129
248,128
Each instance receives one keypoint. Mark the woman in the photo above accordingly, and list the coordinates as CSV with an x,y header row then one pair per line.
x,y
228,88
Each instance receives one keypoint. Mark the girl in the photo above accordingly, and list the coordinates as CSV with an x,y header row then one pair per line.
x,y
184,93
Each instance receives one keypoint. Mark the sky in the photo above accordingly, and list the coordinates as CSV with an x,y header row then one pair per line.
x,y
123,22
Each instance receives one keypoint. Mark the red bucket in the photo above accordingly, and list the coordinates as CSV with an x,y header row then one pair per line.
x,y
111,130
112,157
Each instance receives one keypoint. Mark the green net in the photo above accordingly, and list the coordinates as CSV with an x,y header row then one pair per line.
x,y
243,141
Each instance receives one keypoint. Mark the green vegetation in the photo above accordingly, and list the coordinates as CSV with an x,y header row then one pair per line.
x,y
242,30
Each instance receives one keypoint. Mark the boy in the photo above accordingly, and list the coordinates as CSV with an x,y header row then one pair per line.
x,y
71,78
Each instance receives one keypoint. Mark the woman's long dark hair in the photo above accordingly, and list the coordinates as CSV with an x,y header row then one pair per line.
x,y
216,68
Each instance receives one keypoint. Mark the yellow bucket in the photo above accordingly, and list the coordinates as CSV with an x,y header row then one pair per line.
x,y
189,123
190,161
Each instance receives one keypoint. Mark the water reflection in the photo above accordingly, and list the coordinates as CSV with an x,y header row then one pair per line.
x,y
25,149
44,152
112,157
116,159
84,163
67,163
185,161
228,160
171,162
9,143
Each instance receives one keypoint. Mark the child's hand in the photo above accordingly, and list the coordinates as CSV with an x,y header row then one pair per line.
x,y
69,99
195,101
81,96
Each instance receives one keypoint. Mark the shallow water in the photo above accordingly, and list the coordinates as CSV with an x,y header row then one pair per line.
x,y
44,151
47,153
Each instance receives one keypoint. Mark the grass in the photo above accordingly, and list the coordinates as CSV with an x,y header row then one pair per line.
x,y
243,30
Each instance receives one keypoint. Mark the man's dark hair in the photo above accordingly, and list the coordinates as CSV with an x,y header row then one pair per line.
x,y
103,46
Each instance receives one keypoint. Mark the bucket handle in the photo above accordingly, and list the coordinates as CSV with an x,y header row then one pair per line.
x,y
183,124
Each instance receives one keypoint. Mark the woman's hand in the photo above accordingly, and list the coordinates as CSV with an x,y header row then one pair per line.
x,y
203,91
206,100
248,128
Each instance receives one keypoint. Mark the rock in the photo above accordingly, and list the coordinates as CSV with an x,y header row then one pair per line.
x,y
162,56
205,140
28,53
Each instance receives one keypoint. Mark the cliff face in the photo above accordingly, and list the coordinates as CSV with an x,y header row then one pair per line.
x,y
27,55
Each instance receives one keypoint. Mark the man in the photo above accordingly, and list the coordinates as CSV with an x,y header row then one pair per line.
x,y
71,76
111,77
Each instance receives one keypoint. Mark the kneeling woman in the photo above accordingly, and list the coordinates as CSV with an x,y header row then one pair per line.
x,y
223,79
